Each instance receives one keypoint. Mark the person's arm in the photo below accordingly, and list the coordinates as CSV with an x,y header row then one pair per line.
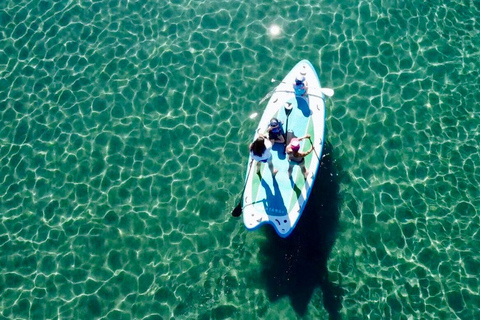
x,y
304,154
270,128
280,139
268,144
263,134
307,136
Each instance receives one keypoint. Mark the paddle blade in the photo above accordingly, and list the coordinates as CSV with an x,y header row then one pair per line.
x,y
238,210
328,92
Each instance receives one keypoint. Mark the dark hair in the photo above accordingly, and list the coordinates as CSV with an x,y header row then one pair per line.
x,y
258,146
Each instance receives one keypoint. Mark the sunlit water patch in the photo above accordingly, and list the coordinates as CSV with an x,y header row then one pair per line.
x,y
274,30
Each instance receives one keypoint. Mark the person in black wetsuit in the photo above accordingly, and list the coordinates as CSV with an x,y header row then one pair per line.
x,y
275,131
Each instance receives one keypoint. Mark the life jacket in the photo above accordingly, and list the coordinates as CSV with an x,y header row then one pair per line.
x,y
299,89
299,85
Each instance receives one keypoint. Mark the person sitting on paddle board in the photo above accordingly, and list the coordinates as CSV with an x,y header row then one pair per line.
x,y
296,157
260,152
300,87
275,131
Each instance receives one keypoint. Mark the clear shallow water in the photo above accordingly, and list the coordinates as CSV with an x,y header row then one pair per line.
x,y
124,129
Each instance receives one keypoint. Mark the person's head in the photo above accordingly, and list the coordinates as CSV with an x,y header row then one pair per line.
x,y
258,146
295,145
273,122
299,80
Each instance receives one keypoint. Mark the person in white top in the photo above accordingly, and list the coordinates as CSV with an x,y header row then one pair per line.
x,y
260,151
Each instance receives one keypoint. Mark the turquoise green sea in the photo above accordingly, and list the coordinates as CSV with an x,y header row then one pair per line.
x,y
124,133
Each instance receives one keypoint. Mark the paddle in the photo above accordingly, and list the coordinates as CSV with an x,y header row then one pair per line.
x,y
311,142
238,209
268,95
326,91
288,109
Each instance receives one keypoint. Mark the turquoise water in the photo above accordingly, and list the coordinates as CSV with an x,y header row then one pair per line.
x,y
123,146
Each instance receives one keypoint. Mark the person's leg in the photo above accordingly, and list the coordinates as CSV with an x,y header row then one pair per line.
x,y
270,166
304,170
259,164
290,170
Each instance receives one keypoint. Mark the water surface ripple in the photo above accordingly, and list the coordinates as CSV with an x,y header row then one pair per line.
x,y
124,128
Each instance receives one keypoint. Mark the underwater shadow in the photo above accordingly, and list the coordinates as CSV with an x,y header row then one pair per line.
x,y
274,200
303,106
297,265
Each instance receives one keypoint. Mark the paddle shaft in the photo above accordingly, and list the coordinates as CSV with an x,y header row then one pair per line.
x,y
311,142
238,209
287,112
268,95
308,94
326,91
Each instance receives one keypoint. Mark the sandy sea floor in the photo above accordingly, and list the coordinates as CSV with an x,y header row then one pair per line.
x,y
124,128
